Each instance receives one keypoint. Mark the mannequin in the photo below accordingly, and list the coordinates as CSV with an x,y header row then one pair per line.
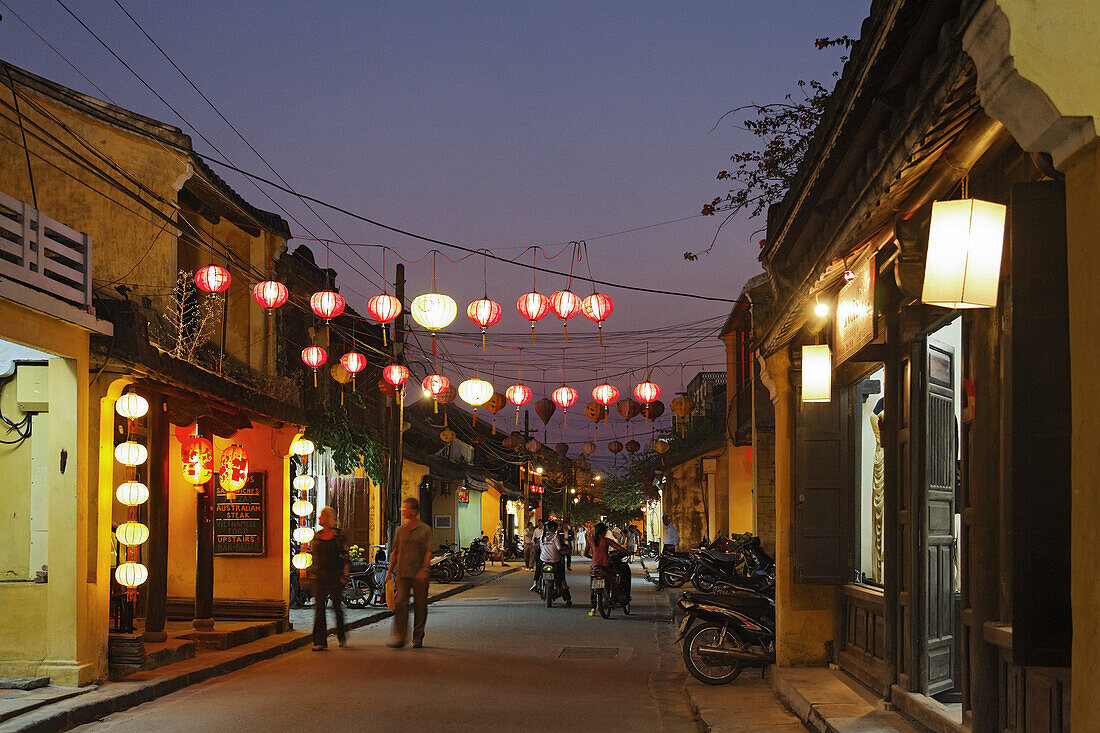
x,y
878,486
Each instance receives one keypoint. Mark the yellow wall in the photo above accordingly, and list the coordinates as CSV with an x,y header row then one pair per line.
x,y
490,512
804,613
445,505
739,466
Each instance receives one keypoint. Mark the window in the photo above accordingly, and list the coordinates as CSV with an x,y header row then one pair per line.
x,y
870,480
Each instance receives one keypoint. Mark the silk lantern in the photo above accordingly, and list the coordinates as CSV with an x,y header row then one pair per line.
x,y
131,574
434,384
564,397
233,470
396,374
270,295
132,534
212,279
484,312
475,391
314,356
963,265
384,308
302,447
326,304
196,460
130,453
132,493
817,373
566,304
605,394
646,392
597,307
132,406
533,306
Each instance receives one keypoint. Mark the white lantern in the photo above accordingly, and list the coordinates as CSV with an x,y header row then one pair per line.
x,y
303,482
963,267
433,311
131,574
302,560
475,391
131,453
303,534
302,508
301,447
817,374
132,493
132,534
132,406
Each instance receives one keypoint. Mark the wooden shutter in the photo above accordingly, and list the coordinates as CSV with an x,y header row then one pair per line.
x,y
1040,407
821,486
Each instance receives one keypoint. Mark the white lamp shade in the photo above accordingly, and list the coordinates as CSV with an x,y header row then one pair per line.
x,y
302,560
433,310
475,392
963,267
817,374
303,482
303,534
302,508
131,453
302,447
131,574
132,406
132,493
132,534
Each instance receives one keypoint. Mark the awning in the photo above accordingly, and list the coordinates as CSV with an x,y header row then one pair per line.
x,y
477,484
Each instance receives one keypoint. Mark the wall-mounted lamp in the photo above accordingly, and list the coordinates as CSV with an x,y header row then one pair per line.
x,y
963,266
820,309
817,373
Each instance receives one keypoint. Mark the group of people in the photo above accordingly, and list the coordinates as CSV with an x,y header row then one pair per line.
x,y
575,540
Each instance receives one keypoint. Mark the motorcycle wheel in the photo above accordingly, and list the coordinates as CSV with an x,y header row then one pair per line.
x,y
476,568
357,594
674,578
603,604
700,668
704,582
549,595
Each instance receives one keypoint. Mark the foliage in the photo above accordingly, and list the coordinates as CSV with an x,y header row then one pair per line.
x,y
784,129
353,446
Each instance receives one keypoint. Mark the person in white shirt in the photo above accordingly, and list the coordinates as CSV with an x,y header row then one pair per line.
x,y
553,549
536,543
672,537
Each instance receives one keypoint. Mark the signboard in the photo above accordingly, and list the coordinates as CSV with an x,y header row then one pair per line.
x,y
239,524
855,312
536,489
442,521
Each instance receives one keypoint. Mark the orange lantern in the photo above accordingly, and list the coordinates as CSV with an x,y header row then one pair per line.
x,y
196,460
632,446
233,473
495,404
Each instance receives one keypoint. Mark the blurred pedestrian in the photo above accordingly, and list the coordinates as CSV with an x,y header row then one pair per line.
x,y
582,533
410,558
329,573
528,543
568,538
536,540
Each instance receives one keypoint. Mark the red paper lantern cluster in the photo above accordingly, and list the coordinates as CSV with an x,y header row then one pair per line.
x,y
270,294
326,304
212,278
396,374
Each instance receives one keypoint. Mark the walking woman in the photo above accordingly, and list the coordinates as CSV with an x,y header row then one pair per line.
x,y
330,572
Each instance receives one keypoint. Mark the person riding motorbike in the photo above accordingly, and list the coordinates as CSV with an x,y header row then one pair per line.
x,y
597,549
553,548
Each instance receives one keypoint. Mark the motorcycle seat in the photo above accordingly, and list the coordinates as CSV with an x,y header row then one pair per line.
x,y
680,555
726,558
739,599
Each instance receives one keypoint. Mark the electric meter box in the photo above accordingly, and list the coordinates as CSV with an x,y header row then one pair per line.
x,y
32,388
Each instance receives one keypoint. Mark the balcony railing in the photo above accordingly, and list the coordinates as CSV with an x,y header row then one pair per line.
x,y
44,254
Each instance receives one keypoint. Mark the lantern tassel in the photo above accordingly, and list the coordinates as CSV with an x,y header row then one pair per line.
x,y
494,424
384,329
435,406
314,377
565,418
566,329
517,417
433,348
532,333
483,339
474,423
341,397
599,329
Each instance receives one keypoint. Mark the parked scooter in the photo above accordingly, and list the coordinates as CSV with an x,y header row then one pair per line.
x,y
733,632
611,589
366,582
744,563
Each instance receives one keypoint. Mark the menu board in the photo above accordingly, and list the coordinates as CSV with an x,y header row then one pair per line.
x,y
239,524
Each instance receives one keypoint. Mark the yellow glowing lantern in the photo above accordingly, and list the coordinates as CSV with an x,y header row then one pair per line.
x,y
302,560
660,445
303,535
131,453
303,482
132,493
302,508
131,574
963,267
475,392
132,406
233,472
132,534
302,447
433,311
817,373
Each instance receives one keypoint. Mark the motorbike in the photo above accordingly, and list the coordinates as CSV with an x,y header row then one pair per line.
x,y
548,587
366,582
611,589
514,548
475,558
744,564
723,634
651,550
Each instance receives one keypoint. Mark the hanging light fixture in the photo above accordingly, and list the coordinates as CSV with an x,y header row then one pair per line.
x,y
132,534
233,472
533,305
196,460
519,394
131,574
326,304
434,384
303,535
314,356
270,294
212,279
605,394
396,374
302,560
384,308
132,406
132,493
564,397
647,392
566,304
963,265
302,447
302,508
130,453
303,482
484,312
475,392
354,362
434,311
597,307
817,373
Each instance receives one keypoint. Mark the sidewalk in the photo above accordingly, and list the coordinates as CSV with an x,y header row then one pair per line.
x,y
53,708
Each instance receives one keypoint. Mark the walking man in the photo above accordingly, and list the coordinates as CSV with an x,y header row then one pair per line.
x,y
330,572
528,544
410,558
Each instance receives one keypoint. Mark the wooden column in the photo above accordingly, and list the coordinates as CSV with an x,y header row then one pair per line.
x,y
157,558
204,548
891,504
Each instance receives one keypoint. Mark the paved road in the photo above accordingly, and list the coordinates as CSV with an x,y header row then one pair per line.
x,y
495,659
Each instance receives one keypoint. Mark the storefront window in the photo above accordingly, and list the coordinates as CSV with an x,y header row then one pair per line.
x,y
870,467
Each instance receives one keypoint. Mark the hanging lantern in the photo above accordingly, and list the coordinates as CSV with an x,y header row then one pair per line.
x,y
386,388
302,508
597,307
384,308
475,392
233,471
628,408
682,406
518,394
302,560
533,446
447,395
615,447
963,265
131,574
303,535
314,356
484,312
588,448
132,493
508,443
132,534
212,279
326,304
196,459
396,374
595,412
605,394
566,304
434,384
303,482
447,435
533,306
433,311
354,362
132,406
495,404
545,409
564,397
562,449
646,392
270,294
632,446
302,447
339,373
660,445
131,453
653,410
817,373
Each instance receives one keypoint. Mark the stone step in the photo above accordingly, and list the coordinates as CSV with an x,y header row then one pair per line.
x,y
227,639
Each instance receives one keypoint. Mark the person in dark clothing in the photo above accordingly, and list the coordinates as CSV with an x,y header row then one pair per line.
x,y
329,572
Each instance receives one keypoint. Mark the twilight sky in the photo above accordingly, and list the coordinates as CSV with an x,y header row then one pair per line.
x,y
488,124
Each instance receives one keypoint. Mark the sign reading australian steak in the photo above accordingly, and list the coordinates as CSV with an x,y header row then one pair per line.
x,y
239,524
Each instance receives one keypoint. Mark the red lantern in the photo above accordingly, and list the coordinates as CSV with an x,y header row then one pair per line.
x,y
386,388
396,374
533,306
384,308
314,356
605,394
564,397
212,278
354,362
196,459
270,294
646,392
597,307
326,304
484,313
433,384
518,394
233,472
566,304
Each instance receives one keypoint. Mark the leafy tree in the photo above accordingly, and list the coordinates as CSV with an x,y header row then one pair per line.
x,y
784,129
353,445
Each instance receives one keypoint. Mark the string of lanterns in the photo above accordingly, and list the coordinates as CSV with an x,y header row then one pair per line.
x,y
302,507
131,534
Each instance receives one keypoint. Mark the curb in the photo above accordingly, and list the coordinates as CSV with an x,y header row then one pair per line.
x,y
119,696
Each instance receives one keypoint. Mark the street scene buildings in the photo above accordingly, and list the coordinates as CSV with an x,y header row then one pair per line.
x,y
872,464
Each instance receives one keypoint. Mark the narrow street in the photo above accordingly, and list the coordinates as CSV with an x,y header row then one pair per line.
x,y
494,656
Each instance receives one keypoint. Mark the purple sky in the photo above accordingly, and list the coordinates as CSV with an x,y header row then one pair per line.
x,y
497,125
